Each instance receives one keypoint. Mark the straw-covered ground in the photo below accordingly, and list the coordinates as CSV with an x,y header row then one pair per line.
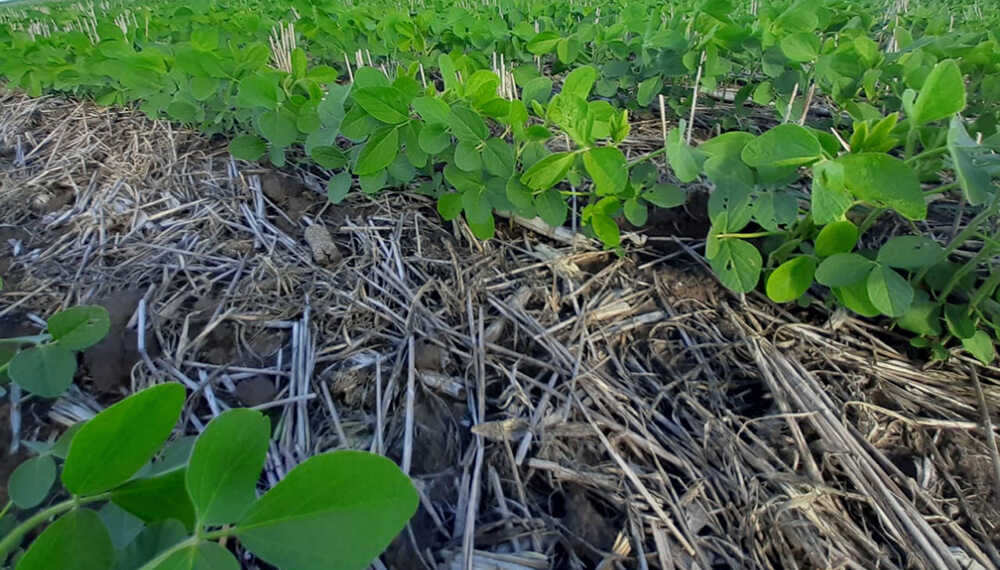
x,y
558,406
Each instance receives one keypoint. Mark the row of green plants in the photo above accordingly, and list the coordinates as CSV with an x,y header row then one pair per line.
x,y
131,496
791,208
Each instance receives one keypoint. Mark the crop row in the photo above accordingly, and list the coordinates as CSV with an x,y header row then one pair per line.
x,y
518,107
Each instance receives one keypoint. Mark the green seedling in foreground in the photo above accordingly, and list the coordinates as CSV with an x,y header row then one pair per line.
x,y
137,504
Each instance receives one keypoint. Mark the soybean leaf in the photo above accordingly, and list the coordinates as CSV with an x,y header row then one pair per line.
x,y
543,42
538,89
328,156
331,109
279,127
357,125
432,109
416,154
467,156
518,194
733,198
959,322
572,114
122,526
980,345
449,206
774,209
401,169
226,464
580,81
259,91
727,145
30,483
738,265
618,126
478,213
175,455
117,442
635,212
386,104
665,196
463,181
203,88
942,95
498,158
855,298
884,180
830,201
183,111
685,160
923,318
609,169
791,279
379,152
837,237
968,157
335,510
842,269
157,498
61,448
434,138
605,229
551,207
481,87
801,47
338,187
567,50
648,90
784,145
152,541
247,147
201,556
205,39
76,540
447,68
910,252
370,77
889,292
466,124
45,370
548,171
372,183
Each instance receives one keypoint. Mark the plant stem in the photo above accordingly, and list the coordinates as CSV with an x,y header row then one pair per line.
x,y
13,539
942,189
869,221
34,339
154,563
963,236
6,508
911,142
750,236
648,156
986,289
927,154
191,541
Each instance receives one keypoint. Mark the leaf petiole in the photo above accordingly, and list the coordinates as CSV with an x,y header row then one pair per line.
x,y
34,339
750,235
13,539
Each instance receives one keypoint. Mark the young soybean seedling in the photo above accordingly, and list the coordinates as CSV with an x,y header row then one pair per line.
x,y
47,366
335,510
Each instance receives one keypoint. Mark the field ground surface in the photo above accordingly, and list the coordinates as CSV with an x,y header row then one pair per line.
x,y
574,267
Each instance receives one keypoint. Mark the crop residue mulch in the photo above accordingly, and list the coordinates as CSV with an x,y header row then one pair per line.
x,y
558,407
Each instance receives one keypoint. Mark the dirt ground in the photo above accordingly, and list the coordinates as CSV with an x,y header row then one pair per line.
x,y
558,406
